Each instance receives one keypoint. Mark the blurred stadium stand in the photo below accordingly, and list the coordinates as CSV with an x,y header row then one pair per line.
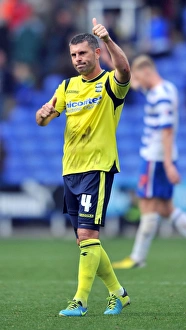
x,y
33,154
40,148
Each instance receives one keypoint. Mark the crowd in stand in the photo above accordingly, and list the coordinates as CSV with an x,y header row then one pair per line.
x,y
34,36
32,44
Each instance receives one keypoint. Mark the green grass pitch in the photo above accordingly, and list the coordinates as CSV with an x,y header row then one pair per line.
x,y
39,276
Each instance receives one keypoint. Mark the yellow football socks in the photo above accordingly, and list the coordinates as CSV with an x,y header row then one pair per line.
x,y
88,265
106,273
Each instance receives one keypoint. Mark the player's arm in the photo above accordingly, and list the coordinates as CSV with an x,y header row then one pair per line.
x,y
53,108
118,57
170,168
47,113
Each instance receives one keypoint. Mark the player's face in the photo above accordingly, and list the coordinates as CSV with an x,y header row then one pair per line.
x,y
84,58
140,76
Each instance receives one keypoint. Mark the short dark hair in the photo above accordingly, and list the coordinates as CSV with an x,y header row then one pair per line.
x,y
79,38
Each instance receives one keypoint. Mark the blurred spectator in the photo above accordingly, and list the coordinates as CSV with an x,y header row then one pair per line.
x,y
24,83
111,17
157,34
4,37
4,28
57,39
7,9
6,86
27,40
42,6
17,12
183,21
167,7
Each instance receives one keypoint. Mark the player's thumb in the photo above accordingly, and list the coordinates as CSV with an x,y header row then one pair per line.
x,y
94,21
54,100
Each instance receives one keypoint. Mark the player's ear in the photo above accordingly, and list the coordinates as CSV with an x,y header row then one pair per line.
x,y
98,53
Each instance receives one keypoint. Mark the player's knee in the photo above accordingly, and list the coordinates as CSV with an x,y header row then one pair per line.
x,y
165,208
149,223
165,212
148,206
84,234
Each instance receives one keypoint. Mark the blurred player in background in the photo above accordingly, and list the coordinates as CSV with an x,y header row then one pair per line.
x,y
158,153
93,102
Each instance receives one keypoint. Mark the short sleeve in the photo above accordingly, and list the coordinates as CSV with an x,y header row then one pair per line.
x,y
120,90
166,114
61,98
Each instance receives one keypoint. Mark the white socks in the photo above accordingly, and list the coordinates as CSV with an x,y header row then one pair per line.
x,y
178,220
147,229
119,292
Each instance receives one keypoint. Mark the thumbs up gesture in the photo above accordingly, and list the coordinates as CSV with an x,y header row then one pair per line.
x,y
100,31
48,108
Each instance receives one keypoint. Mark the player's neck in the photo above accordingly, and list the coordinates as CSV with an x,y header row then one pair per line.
x,y
93,74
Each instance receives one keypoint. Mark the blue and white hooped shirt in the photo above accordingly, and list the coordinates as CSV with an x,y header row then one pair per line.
x,y
161,111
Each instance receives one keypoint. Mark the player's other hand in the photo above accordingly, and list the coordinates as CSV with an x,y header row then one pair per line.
x,y
100,31
48,108
172,173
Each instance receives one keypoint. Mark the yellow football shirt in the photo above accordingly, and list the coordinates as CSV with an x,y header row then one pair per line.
x,y
93,109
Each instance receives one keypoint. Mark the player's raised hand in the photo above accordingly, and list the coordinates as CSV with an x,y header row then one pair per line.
x,y
48,108
99,30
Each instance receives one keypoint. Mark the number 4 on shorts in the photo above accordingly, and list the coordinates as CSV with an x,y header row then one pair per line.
x,y
85,201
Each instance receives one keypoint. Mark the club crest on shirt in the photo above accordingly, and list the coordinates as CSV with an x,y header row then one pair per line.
x,y
98,87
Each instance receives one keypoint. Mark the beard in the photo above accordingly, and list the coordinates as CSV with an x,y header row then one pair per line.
x,y
84,68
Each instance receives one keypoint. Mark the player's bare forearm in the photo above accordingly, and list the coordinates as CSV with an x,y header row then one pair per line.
x,y
46,113
119,60
170,169
43,121
167,145
118,57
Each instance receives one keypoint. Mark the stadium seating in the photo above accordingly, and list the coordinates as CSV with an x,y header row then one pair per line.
x,y
34,152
